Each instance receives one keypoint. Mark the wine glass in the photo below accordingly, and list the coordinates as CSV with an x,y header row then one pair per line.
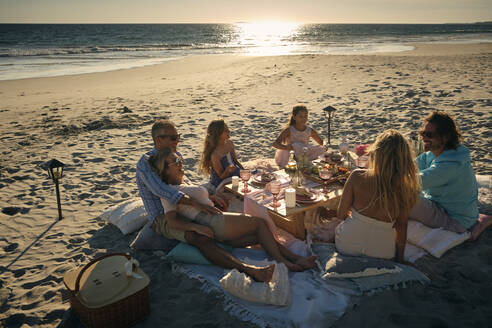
x,y
275,190
362,161
325,174
245,175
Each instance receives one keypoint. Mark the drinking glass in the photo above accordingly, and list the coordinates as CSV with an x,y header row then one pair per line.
x,y
325,174
344,146
245,175
362,161
275,190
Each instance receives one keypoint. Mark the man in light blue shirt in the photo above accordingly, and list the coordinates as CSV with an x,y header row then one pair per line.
x,y
150,186
450,191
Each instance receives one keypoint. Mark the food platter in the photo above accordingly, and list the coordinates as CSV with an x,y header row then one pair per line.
x,y
341,175
263,178
314,198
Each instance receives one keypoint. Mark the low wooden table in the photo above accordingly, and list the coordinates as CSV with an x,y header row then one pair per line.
x,y
292,219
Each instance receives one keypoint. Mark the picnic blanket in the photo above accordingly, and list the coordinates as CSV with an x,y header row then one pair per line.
x,y
315,302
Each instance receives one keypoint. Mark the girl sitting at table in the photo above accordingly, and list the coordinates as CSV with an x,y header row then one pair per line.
x,y
219,157
296,136
202,229
380,199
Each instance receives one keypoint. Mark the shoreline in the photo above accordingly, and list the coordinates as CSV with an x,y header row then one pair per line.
x,y
438,48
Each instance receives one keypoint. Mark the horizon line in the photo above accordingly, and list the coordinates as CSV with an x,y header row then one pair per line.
x,y
240,22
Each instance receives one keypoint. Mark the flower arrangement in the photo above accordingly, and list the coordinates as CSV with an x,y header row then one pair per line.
x,y
361,149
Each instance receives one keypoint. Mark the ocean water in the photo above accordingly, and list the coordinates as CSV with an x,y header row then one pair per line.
x,y
40,50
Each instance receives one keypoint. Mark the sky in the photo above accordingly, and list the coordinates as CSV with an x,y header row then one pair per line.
x,y
232,11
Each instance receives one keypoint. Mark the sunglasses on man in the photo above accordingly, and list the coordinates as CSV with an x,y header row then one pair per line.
x,y
172,137
427,134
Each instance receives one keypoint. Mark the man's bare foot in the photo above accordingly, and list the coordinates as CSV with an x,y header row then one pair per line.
x,y
483,223
307,262
261,274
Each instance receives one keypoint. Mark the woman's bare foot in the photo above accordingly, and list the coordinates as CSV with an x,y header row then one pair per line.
x,y
261,274
483,223
307,262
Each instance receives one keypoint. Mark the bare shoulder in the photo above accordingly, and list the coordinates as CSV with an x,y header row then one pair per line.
x,y
358,173
215,154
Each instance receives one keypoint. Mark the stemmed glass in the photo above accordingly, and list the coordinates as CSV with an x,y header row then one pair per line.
x,y
275,190
325,174
245,175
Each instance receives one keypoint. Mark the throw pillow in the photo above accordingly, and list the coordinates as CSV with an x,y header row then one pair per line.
x,y
185,253
275,292
334,265
148,239
128,216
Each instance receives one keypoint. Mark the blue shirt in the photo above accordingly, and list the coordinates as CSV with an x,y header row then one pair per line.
x,y
449,180
152,188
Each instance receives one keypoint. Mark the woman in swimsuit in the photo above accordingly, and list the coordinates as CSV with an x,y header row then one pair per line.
x,y
376,201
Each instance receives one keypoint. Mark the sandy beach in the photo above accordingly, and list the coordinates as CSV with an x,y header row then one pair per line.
x,y
99,125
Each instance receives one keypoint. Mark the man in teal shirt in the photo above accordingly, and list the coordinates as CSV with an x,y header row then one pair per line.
x,y
450,191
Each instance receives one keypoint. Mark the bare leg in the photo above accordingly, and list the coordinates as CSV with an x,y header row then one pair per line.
x,y
305,262
483,223
245,228
224,259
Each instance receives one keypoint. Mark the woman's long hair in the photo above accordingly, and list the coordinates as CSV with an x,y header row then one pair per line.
x,y
395,174
214,130
296,109
158,163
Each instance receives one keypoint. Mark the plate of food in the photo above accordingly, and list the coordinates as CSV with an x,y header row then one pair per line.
x,y
264,177
305,196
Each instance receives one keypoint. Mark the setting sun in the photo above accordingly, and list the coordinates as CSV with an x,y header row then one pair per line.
x,y
268,37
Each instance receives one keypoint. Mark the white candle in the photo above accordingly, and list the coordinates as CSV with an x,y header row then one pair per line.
x,y
290,197
235,181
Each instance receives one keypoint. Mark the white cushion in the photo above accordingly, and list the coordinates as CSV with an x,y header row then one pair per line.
x,y
275,292
435,241
128,216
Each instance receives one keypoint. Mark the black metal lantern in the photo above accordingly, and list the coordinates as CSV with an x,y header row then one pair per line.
x,y
328,110
55,172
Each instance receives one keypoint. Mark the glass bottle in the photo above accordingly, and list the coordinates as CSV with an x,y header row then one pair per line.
x,y
291,167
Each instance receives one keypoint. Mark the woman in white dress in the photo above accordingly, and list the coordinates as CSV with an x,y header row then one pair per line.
x,y
376,201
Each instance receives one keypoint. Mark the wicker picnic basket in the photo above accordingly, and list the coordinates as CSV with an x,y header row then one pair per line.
x,y
110,291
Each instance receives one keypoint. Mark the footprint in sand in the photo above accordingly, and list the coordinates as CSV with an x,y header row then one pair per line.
x,y
11,247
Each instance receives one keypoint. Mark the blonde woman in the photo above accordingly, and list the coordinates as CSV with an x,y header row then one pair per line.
x,y
380,199
219,156
202,229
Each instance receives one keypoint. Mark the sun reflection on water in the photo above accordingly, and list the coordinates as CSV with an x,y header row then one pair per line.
x,y
267,38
